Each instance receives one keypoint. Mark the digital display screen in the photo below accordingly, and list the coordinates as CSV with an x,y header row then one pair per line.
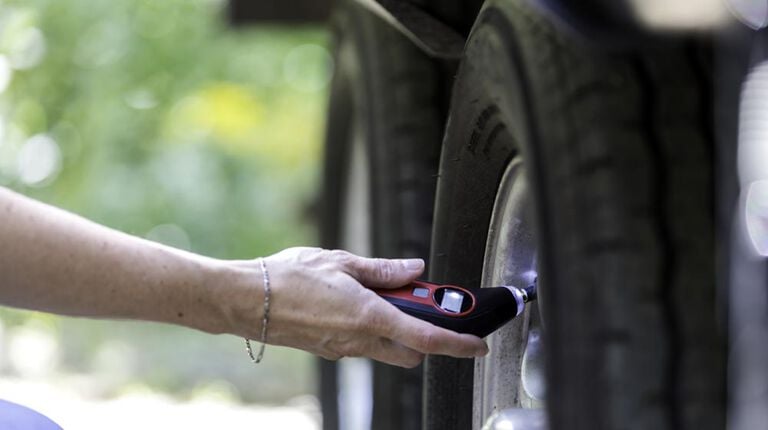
x,y
452,301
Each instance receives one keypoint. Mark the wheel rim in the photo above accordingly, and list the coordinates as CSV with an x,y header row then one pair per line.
x,y
511,375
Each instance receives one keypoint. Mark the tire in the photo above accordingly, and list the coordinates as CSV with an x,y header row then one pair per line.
x,y
385,113
617,150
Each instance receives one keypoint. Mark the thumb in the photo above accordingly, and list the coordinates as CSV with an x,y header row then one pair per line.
x,y
385,273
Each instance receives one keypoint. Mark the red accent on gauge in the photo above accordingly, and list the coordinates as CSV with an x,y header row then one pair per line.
x,y
414,292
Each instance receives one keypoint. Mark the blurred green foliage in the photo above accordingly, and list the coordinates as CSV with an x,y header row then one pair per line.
x,y
156,118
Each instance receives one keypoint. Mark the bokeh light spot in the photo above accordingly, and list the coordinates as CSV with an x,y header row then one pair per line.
x,y
39,161
27,48
33,350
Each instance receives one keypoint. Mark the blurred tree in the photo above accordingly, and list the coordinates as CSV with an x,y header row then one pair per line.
x,y
155,118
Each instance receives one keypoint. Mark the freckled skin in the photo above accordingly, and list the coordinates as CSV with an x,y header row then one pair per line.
x,y
54,261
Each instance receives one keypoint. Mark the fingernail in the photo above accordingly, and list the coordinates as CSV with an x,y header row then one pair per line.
x,y
413,264
481,352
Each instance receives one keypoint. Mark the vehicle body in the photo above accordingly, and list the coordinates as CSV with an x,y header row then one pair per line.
x,y
589,143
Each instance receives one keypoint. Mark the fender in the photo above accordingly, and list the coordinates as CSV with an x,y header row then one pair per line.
x,y
439,27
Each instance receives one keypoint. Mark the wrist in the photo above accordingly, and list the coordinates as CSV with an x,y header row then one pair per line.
x,y
235,293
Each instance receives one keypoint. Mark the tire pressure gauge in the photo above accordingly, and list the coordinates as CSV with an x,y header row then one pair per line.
x,y
477,311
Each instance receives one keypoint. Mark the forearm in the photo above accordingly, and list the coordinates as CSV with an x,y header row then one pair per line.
x,y
54,261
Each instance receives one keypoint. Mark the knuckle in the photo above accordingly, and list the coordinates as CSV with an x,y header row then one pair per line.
x,y
305,255
305,251
373,315
384,270
341,257
427,340
370,321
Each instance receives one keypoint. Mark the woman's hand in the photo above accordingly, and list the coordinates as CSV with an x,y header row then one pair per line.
x,y
320,303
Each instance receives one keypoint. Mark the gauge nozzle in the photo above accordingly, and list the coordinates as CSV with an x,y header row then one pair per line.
x,y
523,295
531,293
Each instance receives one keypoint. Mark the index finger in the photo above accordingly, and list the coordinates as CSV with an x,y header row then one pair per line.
x,y
428,338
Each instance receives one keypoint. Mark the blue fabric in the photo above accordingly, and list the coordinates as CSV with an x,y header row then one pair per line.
x,y
17,417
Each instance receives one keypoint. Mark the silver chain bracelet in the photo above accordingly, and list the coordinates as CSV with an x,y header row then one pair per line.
x,y
265,320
